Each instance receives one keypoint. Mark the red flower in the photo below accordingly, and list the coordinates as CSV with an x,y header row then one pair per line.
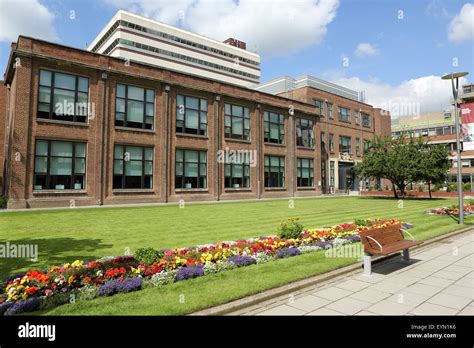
x,y
32,290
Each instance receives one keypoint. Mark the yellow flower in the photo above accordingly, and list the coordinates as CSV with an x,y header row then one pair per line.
x,y
77,263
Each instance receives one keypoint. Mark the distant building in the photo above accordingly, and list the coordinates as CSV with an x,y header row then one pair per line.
x,y
140,39
440,128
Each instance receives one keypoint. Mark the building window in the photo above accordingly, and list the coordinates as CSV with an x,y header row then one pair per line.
x,y
236,122
356,117
345,144
357,146
365,120
366,145
191,169
323,142
319,107
63,97
274,171
274,128
331,174
344,114
134,107
331,142
304,133
191,115
59,165
330,114
305,172
133,167
439,131
237,175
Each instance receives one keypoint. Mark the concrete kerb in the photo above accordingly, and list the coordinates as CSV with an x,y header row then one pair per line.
x,y
266,295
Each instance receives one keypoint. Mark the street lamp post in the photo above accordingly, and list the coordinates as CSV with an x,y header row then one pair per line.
x,y
455,87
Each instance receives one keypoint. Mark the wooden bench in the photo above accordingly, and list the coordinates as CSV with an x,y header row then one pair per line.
x,y
384,241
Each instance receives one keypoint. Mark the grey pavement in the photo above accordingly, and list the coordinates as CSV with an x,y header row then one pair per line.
x,y
438,281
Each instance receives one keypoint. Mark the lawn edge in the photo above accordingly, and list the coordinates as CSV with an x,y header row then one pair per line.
x,y
266,295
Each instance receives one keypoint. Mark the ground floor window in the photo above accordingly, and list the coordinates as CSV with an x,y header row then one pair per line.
x,y
274,171
133,167
305,172
237,175
191,169
59,165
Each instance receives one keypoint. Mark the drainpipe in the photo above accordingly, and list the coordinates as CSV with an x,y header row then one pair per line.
x,y
218,145
166,155
103,77
259,152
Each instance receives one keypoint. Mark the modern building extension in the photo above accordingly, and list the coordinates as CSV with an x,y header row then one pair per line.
x,y
79,127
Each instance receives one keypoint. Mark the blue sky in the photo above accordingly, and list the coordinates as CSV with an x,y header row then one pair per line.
x,y
397,50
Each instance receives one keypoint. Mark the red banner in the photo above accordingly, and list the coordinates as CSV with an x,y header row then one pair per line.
x,y
467,119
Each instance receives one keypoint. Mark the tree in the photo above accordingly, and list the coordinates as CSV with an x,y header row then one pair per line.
x,y
434,165
395,159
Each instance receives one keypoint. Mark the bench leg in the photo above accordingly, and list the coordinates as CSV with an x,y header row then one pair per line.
x,y
367,265
406,255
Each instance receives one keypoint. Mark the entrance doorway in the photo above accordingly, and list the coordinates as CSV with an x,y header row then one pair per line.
x,y
348,180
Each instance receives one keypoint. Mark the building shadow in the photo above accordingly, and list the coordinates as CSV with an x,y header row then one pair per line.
x,y
51,252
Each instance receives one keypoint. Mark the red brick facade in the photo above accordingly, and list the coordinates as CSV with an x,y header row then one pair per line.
x,y
20,128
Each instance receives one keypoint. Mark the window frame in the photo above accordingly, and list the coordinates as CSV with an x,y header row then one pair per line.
x,y
330,108
124,168
299,170
357,140
340,114
268,123
231,116
52,87
331,142
200,110
126,99
49,157
183,175
228,180
366,116
301,128
267,171
340,144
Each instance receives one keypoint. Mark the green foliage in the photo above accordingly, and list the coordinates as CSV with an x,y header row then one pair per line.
x,y
362,222
290,229
451,187
148,255
438,187
404,160
3,202
470,202
466,187
421,188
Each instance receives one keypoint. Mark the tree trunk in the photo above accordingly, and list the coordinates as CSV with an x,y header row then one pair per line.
x,y
394,191
402,190
429,188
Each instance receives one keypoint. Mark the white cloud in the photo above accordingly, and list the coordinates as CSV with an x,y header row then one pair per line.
x,y
365,49
273,27
461,27
26,17
411,97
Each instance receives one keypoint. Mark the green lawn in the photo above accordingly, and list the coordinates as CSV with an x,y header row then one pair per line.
x,y
88,234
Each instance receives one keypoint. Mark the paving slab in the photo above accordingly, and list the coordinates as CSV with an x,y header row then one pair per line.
x,y
348,305
451,301
282,310
309,303
433,309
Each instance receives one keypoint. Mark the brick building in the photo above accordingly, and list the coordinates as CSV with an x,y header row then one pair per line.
x,y
82,128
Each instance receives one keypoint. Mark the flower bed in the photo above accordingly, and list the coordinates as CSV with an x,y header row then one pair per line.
x,y
468,209
111,275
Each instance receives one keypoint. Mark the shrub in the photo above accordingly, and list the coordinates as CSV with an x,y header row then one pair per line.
x,y
291,229
438,187
470,202
148,255
362,222
466,187
421,188
189,272
3,202
287,252
451,187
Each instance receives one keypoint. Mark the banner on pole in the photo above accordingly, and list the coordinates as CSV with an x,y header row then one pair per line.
x,y
467,120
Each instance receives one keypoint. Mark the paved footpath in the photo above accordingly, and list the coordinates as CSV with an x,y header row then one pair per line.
x,y
438,281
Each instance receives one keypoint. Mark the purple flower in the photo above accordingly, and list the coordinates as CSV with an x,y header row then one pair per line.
x,y
4,307
324,245
13,277
189,272
352,238
407,225
287,252
241,260
28,305
115,286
